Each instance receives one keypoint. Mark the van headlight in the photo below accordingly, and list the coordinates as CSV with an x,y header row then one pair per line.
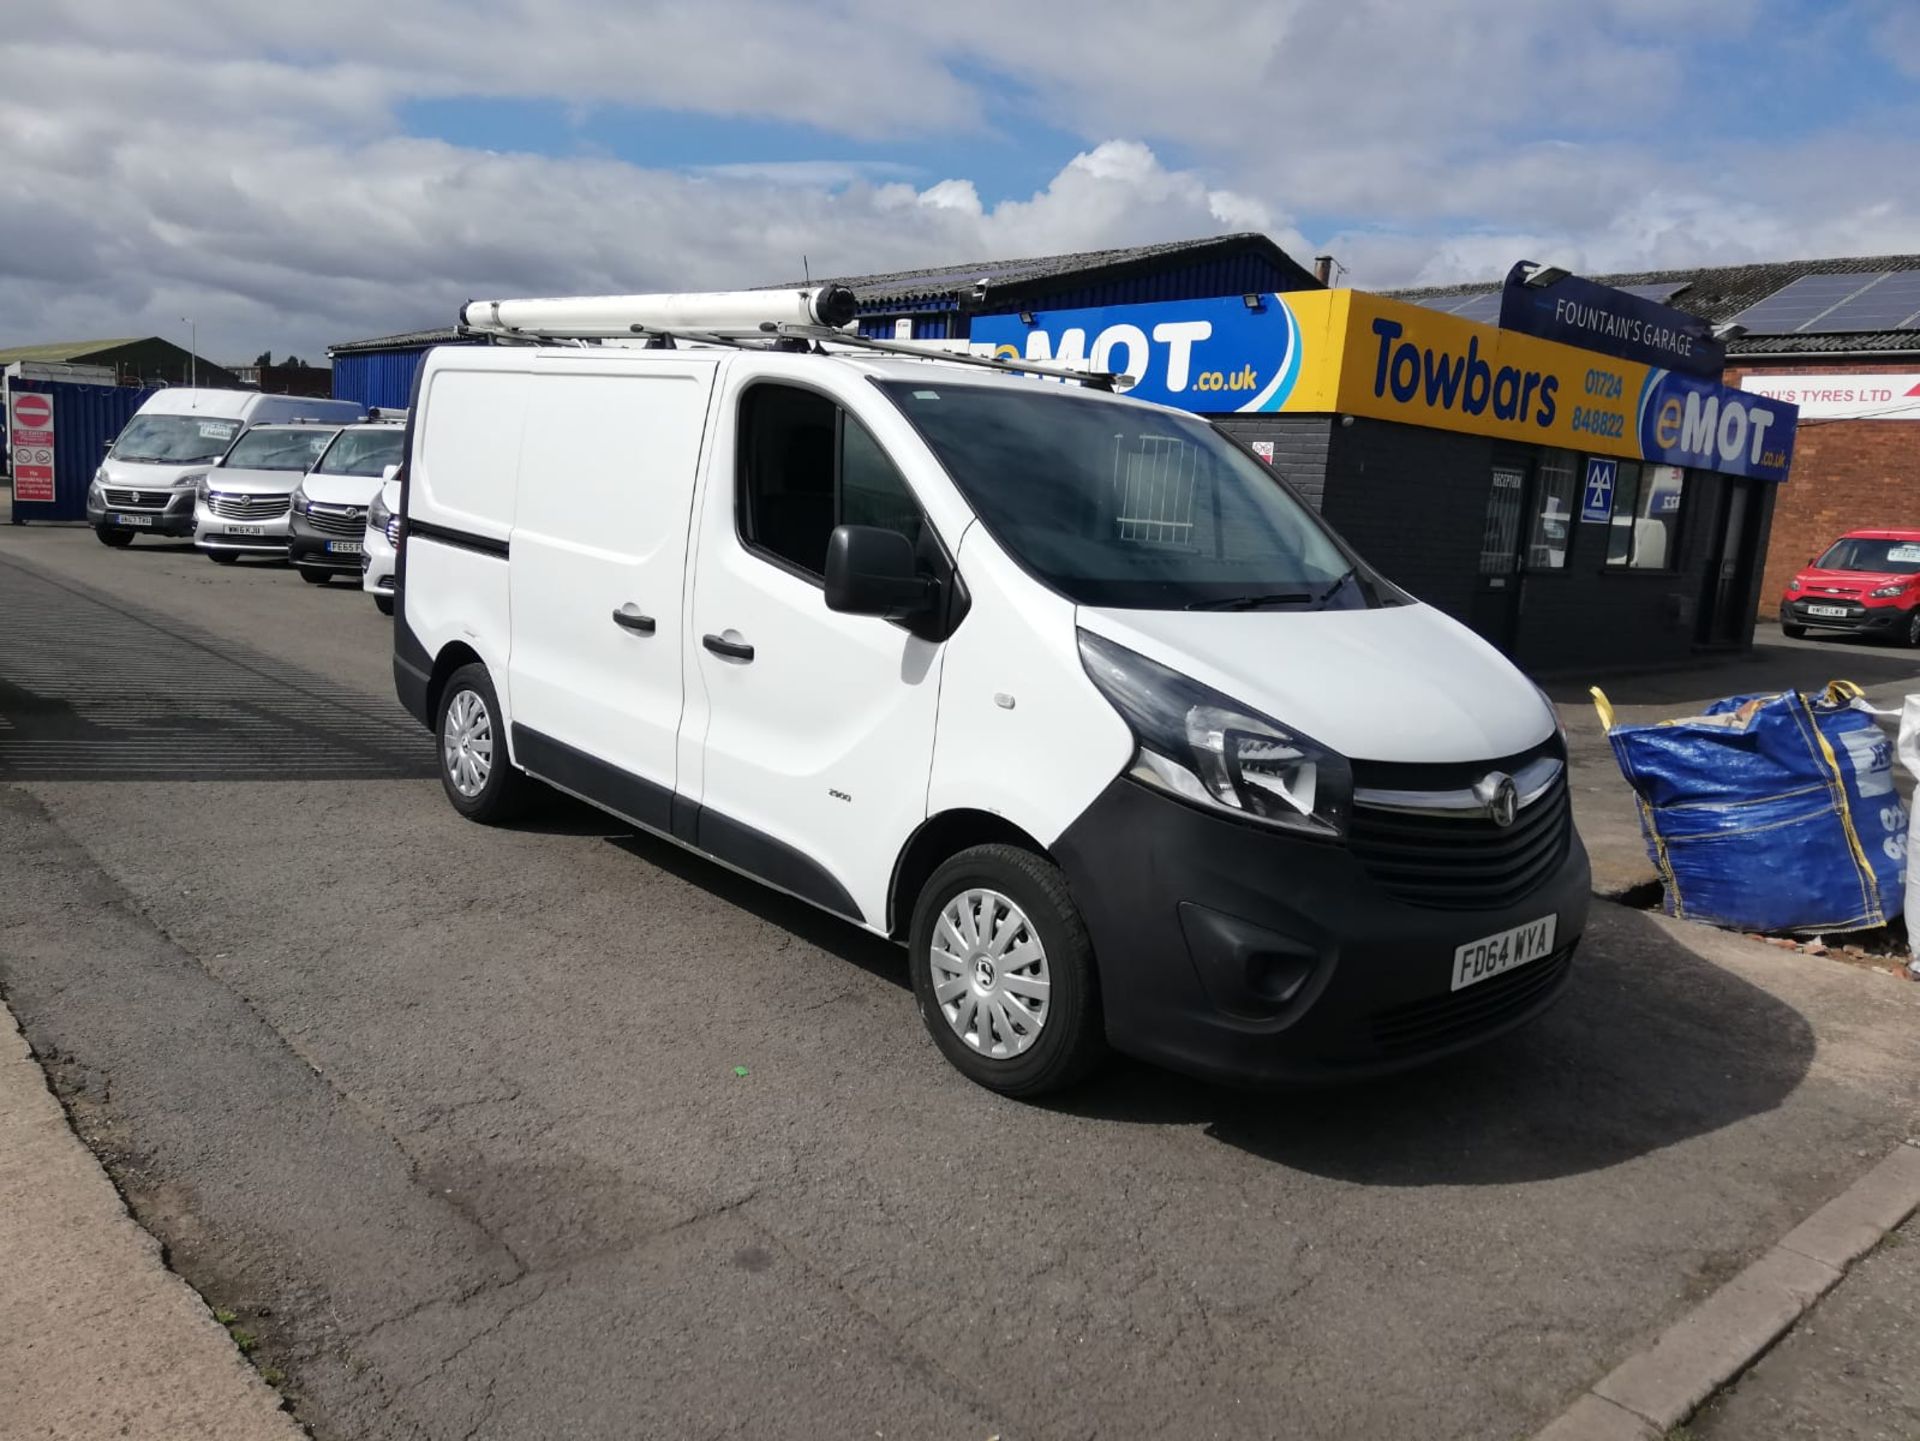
x,y
378,515
1213,752
1884,590
299,500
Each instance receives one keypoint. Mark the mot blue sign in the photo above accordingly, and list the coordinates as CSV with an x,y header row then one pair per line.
x,y
1596,503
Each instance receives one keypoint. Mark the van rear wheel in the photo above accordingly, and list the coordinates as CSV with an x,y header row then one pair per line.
x,y
1003,972
474,769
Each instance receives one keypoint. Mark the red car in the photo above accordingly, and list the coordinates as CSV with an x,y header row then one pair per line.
x,y
1867,583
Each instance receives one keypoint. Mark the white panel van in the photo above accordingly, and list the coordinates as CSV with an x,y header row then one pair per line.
x,y
145,485
1070,695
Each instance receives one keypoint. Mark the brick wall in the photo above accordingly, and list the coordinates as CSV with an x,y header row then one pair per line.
x,y
1299,446
1846,474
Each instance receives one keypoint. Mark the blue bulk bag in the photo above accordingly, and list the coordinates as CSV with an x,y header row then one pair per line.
x,y
1770,812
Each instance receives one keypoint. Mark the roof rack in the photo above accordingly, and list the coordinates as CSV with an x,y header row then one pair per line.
x,y
805,321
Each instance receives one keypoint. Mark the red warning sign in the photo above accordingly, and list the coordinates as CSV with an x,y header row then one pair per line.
x,y
30,440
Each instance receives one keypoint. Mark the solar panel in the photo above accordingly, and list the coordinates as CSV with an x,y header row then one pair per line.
x,y
1805,304
1890,303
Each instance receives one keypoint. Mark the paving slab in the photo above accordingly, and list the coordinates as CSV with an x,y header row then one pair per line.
x,y
97,1337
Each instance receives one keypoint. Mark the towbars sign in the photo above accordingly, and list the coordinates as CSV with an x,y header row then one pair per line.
x,y
1206,355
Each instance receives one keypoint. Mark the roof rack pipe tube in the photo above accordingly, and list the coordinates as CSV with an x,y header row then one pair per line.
x,y
832,306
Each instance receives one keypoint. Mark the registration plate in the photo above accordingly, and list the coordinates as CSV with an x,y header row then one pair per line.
x,y
133,520
1833,610
246,530
344,547
1490,956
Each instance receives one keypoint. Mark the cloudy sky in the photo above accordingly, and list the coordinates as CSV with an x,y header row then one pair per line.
x,y
290,175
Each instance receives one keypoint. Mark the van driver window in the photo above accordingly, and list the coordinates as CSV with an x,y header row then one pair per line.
x,y
807,466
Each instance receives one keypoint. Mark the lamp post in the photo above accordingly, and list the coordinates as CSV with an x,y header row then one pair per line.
x,y
193,353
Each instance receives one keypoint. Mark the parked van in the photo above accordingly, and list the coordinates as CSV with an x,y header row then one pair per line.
x,y
328,522
145,484
1069,694
243,504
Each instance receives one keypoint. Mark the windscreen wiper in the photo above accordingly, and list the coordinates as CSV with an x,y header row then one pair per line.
x,y
1251,602
1346,577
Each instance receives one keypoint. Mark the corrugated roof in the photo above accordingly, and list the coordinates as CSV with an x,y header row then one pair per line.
x,y
1718,293
1008,279
67,350
403,340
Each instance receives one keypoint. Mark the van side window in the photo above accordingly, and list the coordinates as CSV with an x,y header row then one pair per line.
x,y
807,466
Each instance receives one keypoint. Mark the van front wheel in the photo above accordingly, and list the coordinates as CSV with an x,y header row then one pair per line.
x,y
474,769
1003,972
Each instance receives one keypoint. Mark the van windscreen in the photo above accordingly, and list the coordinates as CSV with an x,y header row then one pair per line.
x,y
175,439
1117,505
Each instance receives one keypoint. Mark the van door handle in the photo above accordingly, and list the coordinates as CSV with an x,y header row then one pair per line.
x,y
632,619
736,649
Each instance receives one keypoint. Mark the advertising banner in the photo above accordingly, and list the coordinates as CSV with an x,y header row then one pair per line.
x,y
1207,355
1583,313
1350,352
30,440
1843,397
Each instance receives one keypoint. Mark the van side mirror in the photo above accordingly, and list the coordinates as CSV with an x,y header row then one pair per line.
x,y
871,571
388,472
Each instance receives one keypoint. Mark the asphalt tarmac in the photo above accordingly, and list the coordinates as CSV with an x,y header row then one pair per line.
x,y
452,1116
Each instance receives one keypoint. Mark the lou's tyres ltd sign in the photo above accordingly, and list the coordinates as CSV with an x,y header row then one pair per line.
x,y
1322,351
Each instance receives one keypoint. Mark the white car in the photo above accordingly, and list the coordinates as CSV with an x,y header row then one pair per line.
x,y
1067,693
242,504
329,506
378,545
145,485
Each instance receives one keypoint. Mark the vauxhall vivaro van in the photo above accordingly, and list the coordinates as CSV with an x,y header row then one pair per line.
x,y
1069,694
145,485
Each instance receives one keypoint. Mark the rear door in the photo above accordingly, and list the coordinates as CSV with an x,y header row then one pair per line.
x,y
598,569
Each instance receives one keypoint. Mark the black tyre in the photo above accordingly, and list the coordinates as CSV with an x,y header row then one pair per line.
x,y
385,604
1792,631
314,576
1912,632
222,557
472,747
1003,972
119,537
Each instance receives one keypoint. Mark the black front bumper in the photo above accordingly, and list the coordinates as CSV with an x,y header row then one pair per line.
x,y
1859,620
308,549
1239,953
176,520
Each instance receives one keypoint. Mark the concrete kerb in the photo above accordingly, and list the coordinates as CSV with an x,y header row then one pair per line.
x,y
1659,1388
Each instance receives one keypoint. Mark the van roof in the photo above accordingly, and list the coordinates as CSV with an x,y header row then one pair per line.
x,y
182,400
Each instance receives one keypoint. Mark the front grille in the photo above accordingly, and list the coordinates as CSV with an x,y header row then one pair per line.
x,y
351,521
1430,1025
138,499
247,507
1464,862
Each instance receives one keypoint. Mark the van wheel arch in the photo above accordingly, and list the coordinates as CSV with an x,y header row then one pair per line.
x,y
445,664
938,839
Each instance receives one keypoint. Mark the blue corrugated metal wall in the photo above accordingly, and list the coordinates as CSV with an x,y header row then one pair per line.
x,y
86,418
377,377
925,327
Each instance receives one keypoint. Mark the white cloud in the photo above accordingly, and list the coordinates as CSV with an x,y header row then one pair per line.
x,y
248,164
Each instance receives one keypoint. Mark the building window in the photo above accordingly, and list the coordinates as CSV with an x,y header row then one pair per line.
x,y
1645,531
1500,540
807,466
1553,510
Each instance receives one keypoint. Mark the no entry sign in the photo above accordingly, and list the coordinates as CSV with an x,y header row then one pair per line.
x,y
30,438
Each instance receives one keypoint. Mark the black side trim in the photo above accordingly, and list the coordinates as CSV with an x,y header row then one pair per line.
x,y
651,805
686,820
462,539
412,670
641,801
775,862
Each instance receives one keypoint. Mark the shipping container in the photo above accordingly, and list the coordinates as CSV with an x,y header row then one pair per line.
x,y
86,419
